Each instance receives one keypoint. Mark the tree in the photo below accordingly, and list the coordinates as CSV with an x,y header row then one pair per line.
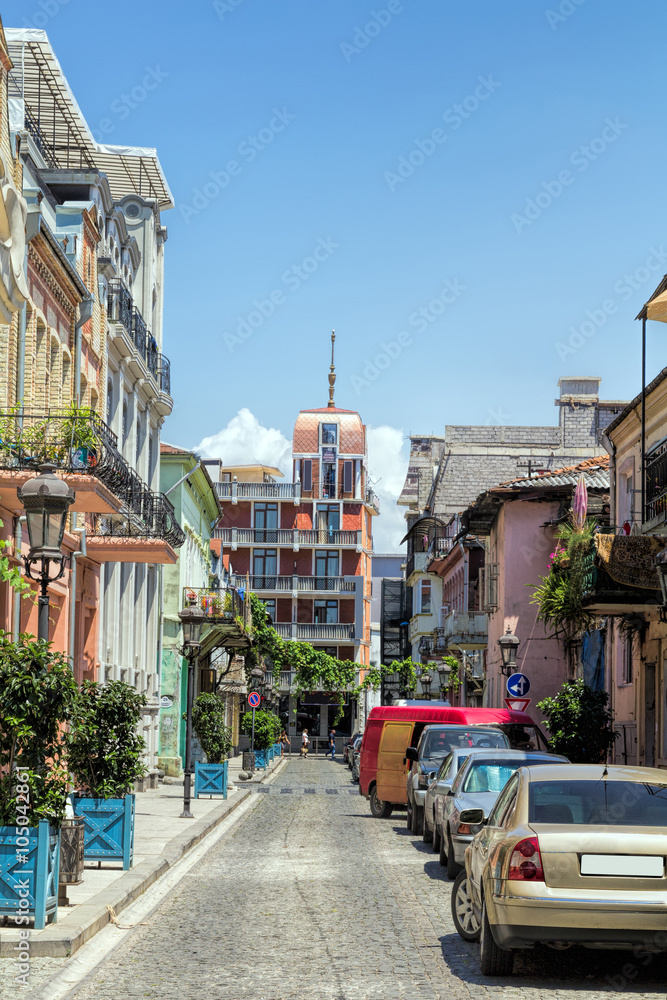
x,y
580,724
37,698
208,722
104,749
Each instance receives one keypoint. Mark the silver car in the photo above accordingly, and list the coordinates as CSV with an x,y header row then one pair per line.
x,y
477,786
439,788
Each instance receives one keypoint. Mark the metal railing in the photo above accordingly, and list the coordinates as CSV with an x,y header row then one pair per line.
x,y
463,628
164,374
121,309
287,536
78,441
258,491
225,604
325,630
656,484
299,584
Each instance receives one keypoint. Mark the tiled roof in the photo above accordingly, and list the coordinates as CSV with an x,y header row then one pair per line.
x,y
596,471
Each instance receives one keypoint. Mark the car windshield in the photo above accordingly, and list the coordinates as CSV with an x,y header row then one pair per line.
x,y
613,803
489,776
439,742
524,737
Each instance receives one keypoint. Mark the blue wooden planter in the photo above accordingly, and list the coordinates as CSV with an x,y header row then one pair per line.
x,y
108,828
261,758
278,749
211,779
29,887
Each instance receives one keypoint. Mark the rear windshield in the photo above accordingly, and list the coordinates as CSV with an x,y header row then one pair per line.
x,y
524,737
616,803
486,776
439,742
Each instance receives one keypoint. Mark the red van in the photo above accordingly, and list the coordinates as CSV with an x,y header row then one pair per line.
x,y
392,728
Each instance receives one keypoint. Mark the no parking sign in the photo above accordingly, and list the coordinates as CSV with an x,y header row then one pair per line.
x,y
254,699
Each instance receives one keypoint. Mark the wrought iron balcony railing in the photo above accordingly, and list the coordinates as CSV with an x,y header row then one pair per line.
x,y
121,309
78,441
315,631
656,485
287,536
225,604
258,491
299,584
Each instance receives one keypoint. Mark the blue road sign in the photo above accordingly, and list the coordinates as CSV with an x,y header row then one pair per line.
x,y
518,686
254,699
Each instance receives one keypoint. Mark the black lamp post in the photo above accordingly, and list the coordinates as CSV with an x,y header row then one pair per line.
x,y
192,620
443,676
46,500
426,685
508,646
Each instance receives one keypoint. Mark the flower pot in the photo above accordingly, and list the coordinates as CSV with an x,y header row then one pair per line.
x,y
29,873
108,828
211,779
261,759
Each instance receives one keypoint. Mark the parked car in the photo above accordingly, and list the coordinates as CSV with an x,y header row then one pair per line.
x,y
390,729
477,786
353,756
355,764
570,855
438,788
348,746
434,744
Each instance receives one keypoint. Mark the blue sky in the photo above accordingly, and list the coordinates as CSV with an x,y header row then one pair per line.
x,y
512,225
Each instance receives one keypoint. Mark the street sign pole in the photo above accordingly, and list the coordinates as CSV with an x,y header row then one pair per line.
x,y
252,738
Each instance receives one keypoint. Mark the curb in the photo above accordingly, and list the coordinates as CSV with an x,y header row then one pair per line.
x,y
58,941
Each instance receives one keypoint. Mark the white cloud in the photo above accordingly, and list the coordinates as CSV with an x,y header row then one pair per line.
x,y
388,463
244,441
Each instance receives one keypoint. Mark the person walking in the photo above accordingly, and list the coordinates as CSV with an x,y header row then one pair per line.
x,y
304,743
285,744
332,744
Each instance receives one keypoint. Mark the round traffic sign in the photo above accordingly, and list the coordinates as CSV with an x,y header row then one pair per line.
x,y
254,699
518,686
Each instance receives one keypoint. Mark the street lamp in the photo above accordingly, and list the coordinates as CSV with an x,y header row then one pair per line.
x,y
426,685
46,500
444,671
508,646
192,619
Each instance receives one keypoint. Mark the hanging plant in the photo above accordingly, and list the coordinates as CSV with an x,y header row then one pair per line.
x,y
559,596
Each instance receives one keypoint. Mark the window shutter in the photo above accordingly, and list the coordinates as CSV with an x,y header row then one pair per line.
x,y
307,483
347,477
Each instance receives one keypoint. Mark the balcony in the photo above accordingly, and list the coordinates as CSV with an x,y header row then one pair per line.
x,y
121,311
655,512
299,584
235,491
463,630
634,586
227,612
85,450
287,682
417,563
315,631
292,537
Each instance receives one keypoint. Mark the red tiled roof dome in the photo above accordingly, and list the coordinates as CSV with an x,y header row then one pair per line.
x,y
351,433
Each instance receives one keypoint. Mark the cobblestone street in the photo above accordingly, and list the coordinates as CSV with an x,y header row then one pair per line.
x,y
311,897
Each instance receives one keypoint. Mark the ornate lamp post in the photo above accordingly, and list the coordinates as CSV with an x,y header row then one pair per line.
x,y
508,646
192,620
46,500
426,684
443,676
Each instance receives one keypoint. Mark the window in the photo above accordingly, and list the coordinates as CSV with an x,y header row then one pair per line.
x,y
140,441
266,522
626,662
329,433
307,481
109,401
612,803
504,801
424,597
347,477
326,564
270,608
326,612
265,567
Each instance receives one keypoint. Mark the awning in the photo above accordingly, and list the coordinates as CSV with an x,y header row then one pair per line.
x,y
656,307
425,524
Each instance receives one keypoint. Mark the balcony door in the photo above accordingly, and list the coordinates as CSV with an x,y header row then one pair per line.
x,y
326,568
265,568
327,522
266,522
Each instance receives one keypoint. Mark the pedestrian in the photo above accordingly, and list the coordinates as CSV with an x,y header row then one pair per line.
x,y
285,744
304,743
332,744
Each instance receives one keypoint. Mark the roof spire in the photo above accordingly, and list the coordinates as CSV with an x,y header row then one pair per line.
x,y
332,371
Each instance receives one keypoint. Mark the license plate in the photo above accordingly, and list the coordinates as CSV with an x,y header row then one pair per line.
x,y
622,865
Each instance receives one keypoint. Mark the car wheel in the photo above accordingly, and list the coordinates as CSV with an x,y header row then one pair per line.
x,y
436,838
494,961
379,809
417,820
442,852
452,867
463,914
427,832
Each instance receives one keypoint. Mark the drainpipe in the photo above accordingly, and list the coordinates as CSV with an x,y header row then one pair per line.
x,y
81,551
18,541
610,447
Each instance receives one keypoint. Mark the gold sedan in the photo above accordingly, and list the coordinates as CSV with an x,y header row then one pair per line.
x,y
569,854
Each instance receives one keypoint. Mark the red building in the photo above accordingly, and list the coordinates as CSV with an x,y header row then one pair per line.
x,y
305,546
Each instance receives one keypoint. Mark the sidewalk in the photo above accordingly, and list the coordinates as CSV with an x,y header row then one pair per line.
x,y
161,837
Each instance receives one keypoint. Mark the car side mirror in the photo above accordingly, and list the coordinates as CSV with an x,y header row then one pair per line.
x,y
473,817
411,754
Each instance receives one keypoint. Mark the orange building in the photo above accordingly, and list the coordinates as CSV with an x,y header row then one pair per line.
x,y
305,546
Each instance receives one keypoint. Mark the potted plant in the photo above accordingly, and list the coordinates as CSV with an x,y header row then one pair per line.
x,y
105,757
267,733
37,696
208,722
80,442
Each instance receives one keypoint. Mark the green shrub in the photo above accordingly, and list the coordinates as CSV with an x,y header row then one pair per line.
x,y
268,728
208,722
579,723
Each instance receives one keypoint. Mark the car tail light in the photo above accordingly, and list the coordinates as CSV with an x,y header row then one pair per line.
x,y
526,862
